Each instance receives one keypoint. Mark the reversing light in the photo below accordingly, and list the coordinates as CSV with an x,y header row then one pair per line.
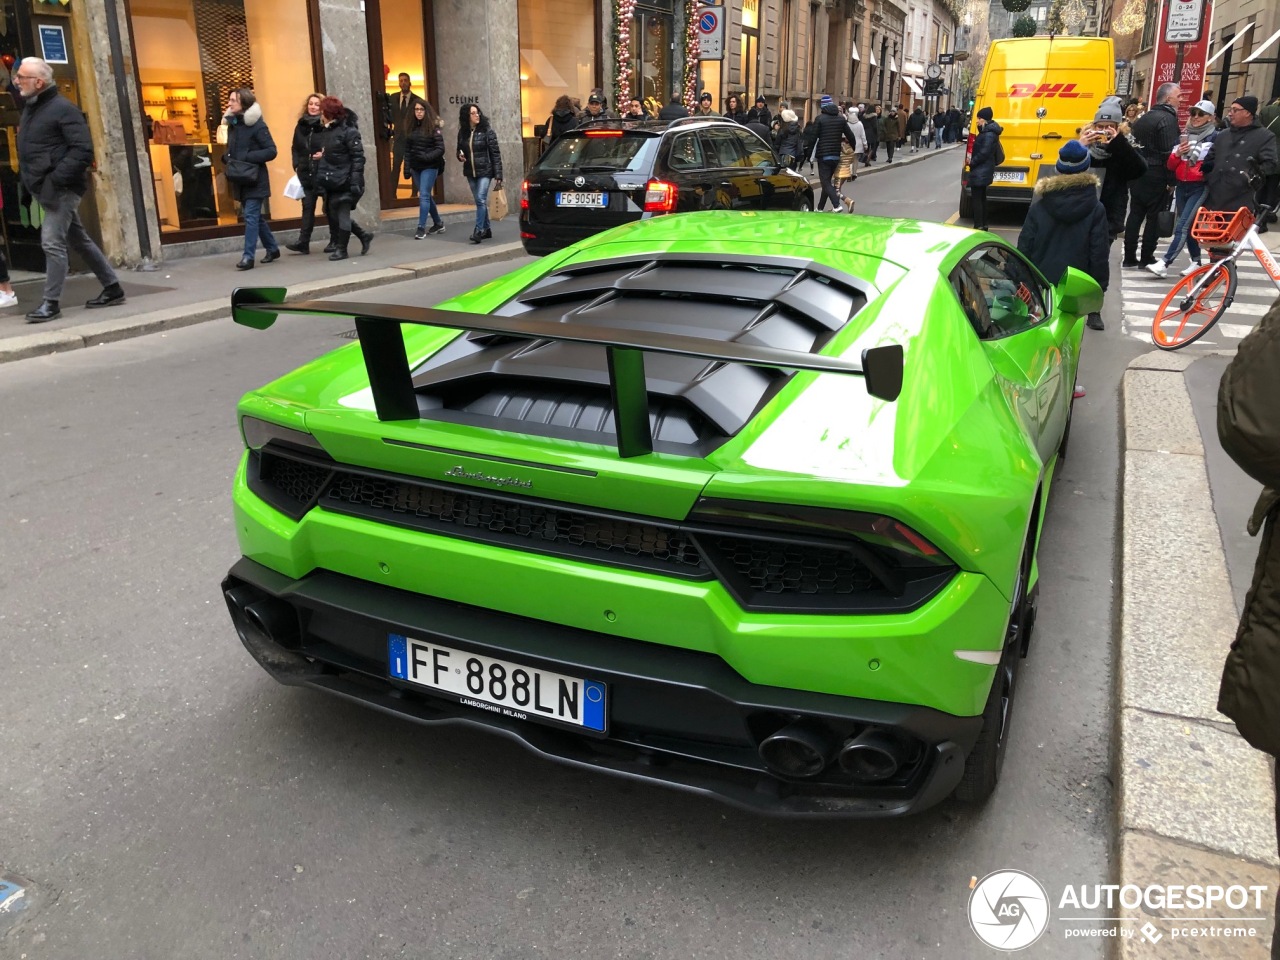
x,y
659,197
603,133
524,195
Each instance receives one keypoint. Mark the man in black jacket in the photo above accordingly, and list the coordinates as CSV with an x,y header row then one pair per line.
x,y
675,110
1157,134
829,129
54,155
401,124
1243,156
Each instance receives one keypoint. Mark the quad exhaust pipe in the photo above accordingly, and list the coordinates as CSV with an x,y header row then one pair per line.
x,y
798,750
871,756
268,628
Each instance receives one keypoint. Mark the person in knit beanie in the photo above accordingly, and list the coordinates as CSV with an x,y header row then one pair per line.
x,y
1067,224
1242,157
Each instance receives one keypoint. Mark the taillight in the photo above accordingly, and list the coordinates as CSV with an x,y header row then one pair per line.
x,y
968,150
603,133
524,195
659,197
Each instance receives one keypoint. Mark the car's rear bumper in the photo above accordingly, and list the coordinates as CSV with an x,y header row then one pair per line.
x,y
676,717
542,238
1007,192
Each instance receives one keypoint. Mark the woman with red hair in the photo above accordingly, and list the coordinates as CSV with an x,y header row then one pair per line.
x,y
340,174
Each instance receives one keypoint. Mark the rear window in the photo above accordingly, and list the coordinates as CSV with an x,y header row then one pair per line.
x,y
578,153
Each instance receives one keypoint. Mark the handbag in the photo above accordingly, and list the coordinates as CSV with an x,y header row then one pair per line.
x,y
242,172
168,131
1165,222
293,189
498,204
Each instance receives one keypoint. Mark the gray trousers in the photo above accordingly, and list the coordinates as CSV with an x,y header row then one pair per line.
x,y
62,228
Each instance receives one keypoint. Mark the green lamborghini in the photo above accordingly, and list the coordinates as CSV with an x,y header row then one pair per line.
x,y
746,504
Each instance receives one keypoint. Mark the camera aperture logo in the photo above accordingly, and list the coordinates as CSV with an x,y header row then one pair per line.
x,y
1009,910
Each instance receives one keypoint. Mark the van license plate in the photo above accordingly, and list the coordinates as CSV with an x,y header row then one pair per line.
x,y
577,199
499,686
1010,176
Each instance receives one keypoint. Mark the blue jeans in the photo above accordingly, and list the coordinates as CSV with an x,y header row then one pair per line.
x,y
426,203
937,139
255,226
480,191
1187,197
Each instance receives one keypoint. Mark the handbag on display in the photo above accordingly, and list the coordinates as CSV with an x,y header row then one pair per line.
x,y
168,131
242,172
498,204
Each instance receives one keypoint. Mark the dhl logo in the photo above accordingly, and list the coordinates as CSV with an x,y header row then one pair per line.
x,y
1064,90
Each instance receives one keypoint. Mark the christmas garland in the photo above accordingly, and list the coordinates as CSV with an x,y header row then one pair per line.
x,y
623,14
692,54
1016,6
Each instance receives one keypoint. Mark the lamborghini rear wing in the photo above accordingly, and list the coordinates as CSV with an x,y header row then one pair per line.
x,y
391,381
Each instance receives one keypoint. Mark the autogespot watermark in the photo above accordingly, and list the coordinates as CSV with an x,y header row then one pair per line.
x,y
1010,910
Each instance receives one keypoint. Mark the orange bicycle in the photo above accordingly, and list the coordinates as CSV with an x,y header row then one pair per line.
x,y
1199,299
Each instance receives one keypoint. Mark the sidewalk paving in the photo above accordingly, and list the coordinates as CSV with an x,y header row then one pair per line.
x,y
194,289
1194,801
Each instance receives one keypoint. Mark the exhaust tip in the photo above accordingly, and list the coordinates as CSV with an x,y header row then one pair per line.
x,y
871,756
275,619
798,750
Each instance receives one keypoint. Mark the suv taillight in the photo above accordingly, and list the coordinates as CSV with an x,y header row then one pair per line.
x,y
524,195
968,151
659,197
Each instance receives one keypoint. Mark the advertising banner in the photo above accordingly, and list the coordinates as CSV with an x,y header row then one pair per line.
x,y
1182,63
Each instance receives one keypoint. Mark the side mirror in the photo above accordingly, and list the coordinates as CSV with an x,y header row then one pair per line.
x,y
1078,293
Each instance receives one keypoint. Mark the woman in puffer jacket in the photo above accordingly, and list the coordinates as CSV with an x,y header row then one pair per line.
x,y
340,173
481,164
1193,146
308,136
424,156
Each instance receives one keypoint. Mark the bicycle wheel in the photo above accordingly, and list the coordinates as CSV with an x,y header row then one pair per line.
x,y
1187,314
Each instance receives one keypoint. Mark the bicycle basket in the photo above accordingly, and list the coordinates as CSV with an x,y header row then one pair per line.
x,y
1221,227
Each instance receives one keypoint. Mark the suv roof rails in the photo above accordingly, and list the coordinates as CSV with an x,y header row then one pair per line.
x,y
715,119
601,120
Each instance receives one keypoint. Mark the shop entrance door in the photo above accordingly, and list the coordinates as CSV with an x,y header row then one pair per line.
x,y
400,43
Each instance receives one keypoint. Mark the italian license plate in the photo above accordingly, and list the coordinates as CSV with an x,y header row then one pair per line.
x,y
499,686
579,199
1010,176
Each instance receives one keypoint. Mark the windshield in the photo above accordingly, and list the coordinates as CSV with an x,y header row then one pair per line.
x,y
578,153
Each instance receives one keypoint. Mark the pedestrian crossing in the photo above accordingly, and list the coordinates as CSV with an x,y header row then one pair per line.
x,y
1143,292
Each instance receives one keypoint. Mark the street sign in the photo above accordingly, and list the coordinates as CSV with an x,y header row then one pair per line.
x,y
946,59
711,33
1186,18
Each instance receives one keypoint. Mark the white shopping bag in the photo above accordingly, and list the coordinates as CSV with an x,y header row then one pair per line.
x,y
293,189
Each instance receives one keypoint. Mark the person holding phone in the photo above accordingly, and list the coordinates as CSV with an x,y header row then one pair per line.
x,y
1184,161
1113,156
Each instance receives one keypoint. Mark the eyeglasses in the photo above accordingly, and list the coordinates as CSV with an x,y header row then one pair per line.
x,y
1197,113
1235,109
24,76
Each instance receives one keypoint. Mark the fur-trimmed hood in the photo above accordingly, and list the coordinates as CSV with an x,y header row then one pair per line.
x,y
1065,181
1068,197
248,117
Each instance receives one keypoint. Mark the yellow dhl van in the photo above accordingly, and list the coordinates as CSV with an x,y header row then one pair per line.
x,y
1042,90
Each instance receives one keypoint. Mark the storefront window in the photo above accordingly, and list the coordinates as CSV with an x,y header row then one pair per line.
x,y
403,46
191,54
651,49
557,56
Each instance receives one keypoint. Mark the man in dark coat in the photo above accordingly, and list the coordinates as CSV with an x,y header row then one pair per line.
x,y
1067,224
401,124
871,127
54,156
1249,428
915,127
1156,132
675,110
829,129
760,112
939,128
594,110
1243,156
987,155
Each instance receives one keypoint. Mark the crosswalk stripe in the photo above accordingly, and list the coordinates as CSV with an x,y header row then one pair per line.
x,y
1237,308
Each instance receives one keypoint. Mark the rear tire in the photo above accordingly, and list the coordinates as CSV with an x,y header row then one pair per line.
x,y
983,765
806,205
966,204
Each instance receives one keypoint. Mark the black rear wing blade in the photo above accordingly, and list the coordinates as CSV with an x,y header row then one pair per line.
x,y
391,382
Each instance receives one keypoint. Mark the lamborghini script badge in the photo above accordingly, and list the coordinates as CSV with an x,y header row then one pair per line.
x,y
463,474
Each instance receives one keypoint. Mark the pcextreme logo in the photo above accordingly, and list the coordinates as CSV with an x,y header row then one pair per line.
x,y
1063,90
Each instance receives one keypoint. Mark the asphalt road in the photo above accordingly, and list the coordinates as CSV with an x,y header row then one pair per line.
x,y
165,798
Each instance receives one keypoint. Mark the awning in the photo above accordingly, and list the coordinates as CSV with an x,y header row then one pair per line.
x,y
893,65
914,86
1231,43
853,52
1268,42
871,56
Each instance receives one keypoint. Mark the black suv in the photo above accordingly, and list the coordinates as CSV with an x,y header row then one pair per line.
x,y
611,172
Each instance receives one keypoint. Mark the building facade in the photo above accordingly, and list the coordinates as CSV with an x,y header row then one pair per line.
x,y
152,77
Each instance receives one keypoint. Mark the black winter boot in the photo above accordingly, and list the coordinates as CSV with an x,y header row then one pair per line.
x,y
340,246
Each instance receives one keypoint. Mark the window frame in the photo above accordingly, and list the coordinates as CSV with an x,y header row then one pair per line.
x,y
1036,285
